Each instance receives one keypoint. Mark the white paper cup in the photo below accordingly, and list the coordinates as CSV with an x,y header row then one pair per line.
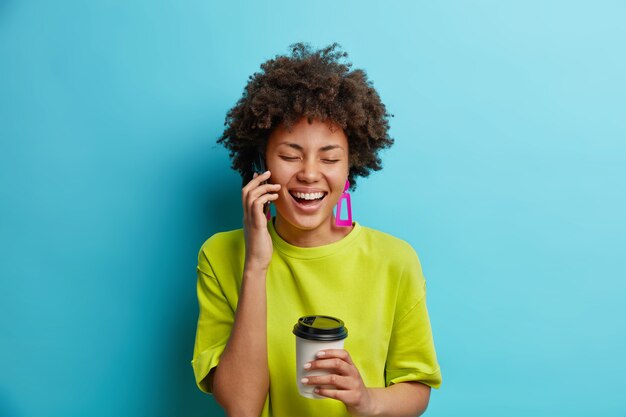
x,y
315,333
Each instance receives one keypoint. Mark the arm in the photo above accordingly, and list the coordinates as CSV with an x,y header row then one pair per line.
x,y
399,400
241,381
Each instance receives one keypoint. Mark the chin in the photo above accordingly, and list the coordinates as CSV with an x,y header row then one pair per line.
x,y
307,223
310,223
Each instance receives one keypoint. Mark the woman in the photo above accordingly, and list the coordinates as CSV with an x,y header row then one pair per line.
x,y
317,125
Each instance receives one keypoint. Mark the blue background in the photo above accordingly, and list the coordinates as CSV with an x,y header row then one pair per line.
x,y
507,177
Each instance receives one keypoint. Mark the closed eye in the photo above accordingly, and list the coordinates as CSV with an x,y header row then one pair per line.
x,y
290,158
330,161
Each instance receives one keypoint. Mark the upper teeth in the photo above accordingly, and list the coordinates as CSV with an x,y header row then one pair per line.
x,y
309,196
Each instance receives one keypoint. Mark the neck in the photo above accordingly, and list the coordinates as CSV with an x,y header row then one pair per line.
x,y
324,234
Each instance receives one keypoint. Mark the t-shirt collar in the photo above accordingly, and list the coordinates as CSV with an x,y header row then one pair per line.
x,y
312,252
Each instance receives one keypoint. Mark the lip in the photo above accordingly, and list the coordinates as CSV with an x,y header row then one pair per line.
x,y
309,208
307,190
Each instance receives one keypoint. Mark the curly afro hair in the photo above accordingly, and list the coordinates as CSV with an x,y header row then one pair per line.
x,y
316,84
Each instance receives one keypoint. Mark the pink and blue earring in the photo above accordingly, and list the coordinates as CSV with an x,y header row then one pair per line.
x,y
344,196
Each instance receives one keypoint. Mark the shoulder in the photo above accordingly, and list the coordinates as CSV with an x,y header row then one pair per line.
x,y
394,255
222,244
396,259
387,244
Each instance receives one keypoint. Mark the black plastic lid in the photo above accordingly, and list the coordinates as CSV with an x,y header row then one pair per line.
x,y
320,328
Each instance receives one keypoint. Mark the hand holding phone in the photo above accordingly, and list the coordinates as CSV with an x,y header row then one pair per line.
x,y
256,195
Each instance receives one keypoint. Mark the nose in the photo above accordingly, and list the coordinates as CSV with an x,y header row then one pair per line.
x,y
310,171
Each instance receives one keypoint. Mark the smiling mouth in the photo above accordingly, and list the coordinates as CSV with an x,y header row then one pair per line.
x,y
308,199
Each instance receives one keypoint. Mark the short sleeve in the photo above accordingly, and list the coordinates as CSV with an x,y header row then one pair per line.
x,y
215,322
411,354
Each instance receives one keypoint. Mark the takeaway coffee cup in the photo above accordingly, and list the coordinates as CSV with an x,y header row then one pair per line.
x,y
315,333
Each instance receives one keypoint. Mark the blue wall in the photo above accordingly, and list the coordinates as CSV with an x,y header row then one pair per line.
x,y
507,177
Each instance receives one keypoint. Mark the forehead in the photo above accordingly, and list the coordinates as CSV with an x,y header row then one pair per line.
x,y
316,134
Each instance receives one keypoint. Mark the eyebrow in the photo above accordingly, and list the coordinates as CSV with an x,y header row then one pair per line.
x,y
322,149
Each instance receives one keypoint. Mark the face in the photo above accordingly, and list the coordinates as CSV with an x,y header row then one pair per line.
x,y
310,162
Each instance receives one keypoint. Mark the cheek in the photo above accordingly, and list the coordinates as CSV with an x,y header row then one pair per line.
x,y
279,178
278,173
340,176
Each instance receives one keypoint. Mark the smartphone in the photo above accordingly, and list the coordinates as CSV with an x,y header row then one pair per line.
x,y
258,166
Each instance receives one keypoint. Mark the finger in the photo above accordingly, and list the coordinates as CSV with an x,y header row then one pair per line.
x,y
254,193
335,353
259,203
257,179
341,395
262,192
337,381
263,189
339,365
257,210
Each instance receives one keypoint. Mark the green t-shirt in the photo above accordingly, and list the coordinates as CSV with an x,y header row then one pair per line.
x,y
369,279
